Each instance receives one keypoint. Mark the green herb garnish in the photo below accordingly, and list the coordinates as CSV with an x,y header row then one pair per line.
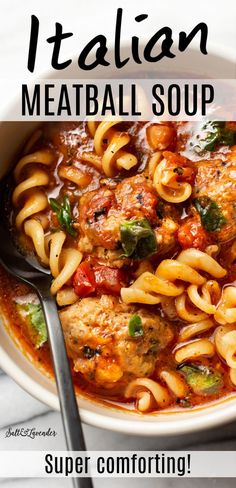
x,y
138,239
64,215
135,326
214,134
36,322
211,216
202,380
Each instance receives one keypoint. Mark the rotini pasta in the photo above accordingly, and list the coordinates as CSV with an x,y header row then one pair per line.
x,y
175,383
226,311
34,229
195,349
144,389
167,185
48,247
35,199
111,151
168,279
225,340
200,260
194,329
34,204
187,311
70,260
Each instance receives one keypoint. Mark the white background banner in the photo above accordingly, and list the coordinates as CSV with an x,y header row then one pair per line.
x,y
119,464
129,99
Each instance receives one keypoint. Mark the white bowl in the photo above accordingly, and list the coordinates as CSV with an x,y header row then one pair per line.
x,y
217,64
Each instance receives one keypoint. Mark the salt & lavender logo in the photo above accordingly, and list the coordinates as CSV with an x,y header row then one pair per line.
x,y
30,432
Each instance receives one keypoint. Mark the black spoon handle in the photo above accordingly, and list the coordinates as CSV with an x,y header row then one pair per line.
x,y
69,408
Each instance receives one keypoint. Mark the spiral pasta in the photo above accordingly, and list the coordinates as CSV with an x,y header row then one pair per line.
x,y
194,349
31,180
191,330
201,260
145,390
148,392
225,341
167,185
62,262
197,302
170,278
226,311
148,289
109,144
187,311
35,231
175,383
29,189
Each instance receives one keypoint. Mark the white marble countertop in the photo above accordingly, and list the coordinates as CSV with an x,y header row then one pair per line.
x,y
17,408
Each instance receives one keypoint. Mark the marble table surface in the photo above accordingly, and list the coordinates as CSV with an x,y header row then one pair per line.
x,y
17,408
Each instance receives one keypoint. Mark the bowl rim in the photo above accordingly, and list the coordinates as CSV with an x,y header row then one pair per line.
x,y
210,417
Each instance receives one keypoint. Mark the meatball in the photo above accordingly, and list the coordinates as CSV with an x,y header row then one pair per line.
x,y
137,199
216,179
101,213
97,220
97,337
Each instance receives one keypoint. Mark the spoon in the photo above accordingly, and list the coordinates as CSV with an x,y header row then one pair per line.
x,y
28,269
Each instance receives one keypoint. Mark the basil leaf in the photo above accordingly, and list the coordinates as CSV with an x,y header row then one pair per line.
x,y
33,312
202,380
211,216
63,211
216,133
135,326
138,239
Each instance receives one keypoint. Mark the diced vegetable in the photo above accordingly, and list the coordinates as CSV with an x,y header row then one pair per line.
x,y
137,238
108,280
211,216
84,280
135,326
33,312
216,133
202,380
92,276
180,165
192,234
64,216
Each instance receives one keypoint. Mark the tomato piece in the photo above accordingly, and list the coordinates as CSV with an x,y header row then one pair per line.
x,y
181,166
84,280
108,280
192,234
92,276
